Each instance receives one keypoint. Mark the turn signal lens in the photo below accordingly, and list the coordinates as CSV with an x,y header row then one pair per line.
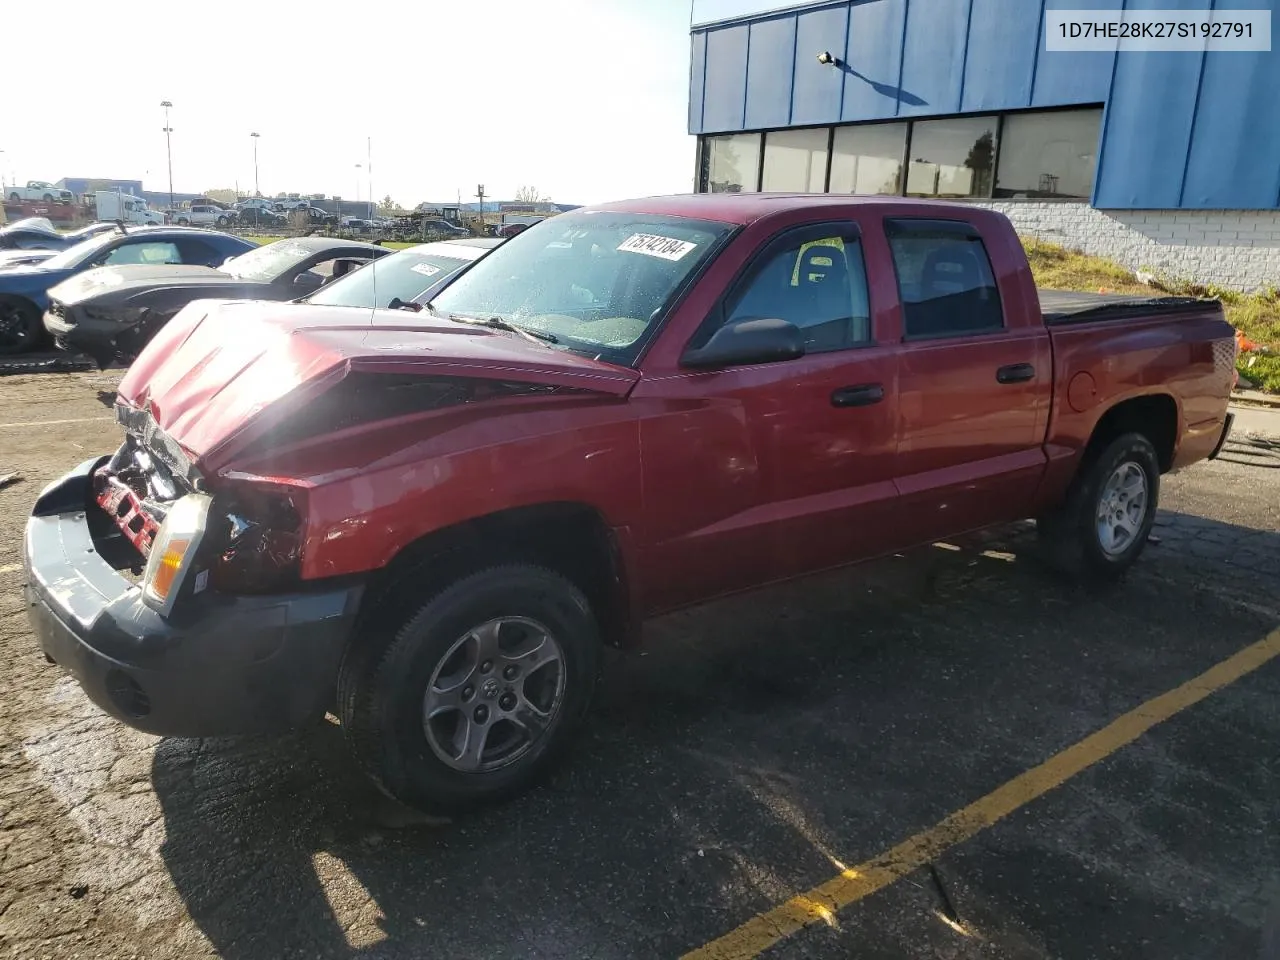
x,y
172,551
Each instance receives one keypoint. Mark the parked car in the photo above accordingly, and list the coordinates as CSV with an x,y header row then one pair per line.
x,y
37,233
634,408
407,278
31,233
18,257
442,228
516,223
39,190
261,217
319,218
202,215
24,290
110,313
261,203
510,229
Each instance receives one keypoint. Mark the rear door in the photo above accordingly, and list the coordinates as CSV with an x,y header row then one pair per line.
x,y
760,472
975,381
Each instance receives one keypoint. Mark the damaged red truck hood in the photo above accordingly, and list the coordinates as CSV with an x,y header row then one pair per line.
x,y
219,370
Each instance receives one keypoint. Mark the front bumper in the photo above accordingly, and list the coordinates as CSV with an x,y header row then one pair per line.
x,y
217,666
75,332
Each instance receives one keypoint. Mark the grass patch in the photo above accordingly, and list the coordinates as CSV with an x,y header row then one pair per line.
x,y
1256,315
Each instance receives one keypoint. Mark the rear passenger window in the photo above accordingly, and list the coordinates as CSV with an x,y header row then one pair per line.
x,y
820,285
944,279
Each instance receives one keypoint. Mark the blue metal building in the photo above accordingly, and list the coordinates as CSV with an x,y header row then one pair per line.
x,y
964,98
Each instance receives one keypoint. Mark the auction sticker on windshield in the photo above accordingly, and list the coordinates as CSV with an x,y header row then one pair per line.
x,y
426,269
655,246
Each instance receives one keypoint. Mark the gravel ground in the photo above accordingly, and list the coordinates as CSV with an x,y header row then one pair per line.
x,y
752,748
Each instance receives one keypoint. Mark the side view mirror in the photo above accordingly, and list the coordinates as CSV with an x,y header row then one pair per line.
x,y
307,280
748,342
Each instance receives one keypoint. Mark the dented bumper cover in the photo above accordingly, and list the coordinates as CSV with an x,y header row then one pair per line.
x,y
219,665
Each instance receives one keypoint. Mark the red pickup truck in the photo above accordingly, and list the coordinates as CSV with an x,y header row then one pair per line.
x,y
429,522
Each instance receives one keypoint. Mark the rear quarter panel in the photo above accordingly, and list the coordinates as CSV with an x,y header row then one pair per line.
x,y
1189,358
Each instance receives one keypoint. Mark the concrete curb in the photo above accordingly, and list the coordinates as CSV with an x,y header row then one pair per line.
x,y
1256,398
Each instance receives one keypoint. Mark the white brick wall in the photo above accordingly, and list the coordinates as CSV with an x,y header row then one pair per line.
x,y
1239,249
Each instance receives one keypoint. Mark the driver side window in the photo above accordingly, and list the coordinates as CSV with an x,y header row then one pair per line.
x,y
820,285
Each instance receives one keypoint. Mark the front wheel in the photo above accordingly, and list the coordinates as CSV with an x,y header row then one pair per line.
x,y
222,221
48,198
477,692
183,221
20,326
1103,526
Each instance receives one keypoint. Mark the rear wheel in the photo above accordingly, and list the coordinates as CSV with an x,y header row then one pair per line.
x,y
476,693
15,197
1103,526
183,221
20,327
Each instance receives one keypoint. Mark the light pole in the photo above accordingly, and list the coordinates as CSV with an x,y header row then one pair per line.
x,y
168,147
256,191
358,166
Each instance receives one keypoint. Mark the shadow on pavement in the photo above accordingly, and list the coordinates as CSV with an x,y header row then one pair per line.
x,y
758,744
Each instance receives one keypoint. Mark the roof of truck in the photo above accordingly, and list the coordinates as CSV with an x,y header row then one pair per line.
x,y
744,208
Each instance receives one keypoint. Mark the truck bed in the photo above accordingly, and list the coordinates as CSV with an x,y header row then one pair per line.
x,y
1065,306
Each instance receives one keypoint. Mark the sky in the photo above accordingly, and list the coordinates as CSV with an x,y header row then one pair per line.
x,y
584,100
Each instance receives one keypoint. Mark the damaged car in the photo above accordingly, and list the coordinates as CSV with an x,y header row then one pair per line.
x,y
35,239
24,289
431,525
111,313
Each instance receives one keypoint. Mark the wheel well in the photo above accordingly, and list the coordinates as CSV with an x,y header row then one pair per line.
x,y
570,538
1154,416
20,301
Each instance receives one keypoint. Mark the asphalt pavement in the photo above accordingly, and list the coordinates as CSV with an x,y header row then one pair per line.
x,y
820,755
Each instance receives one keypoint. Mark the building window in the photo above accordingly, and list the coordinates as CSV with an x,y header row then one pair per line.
x,y
732,163
952,158
796,161
868,158
1049,154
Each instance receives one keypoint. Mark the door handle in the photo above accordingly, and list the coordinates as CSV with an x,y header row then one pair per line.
x,y
1016,373
863,395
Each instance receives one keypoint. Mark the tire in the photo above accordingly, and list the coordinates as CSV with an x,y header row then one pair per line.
x,y
15,197
388,679
222,221
1075,537
48,198
183,221
21,329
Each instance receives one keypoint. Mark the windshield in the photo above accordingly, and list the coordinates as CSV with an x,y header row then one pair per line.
x,y
264,264
597,281
407,276
81,253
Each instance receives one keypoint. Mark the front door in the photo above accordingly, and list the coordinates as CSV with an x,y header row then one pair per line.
x,y
762,472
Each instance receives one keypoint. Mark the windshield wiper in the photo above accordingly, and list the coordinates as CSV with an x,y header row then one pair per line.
x,y
497,323
398,304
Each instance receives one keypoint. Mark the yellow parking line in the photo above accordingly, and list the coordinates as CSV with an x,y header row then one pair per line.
x,y
823,901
